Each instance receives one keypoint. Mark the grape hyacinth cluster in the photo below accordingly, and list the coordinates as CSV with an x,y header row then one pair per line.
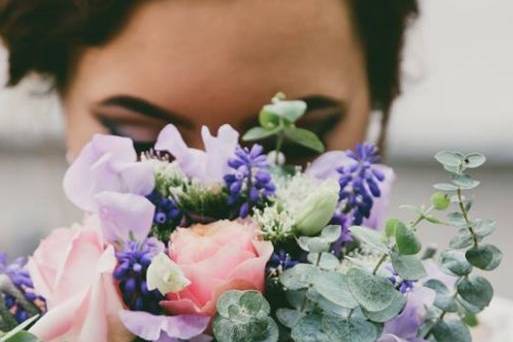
x,y
20,278
359,182
344,221
167,211
134,258
404,286
250,182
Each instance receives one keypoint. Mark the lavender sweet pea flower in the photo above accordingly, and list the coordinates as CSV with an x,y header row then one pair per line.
x,y
208,166
164,328
404,327
124,216
327,166
107,163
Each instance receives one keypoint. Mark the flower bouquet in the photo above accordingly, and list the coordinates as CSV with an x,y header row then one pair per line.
x,y
231,243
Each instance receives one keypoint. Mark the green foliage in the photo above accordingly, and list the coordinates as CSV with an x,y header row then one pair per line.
x,y
485,257
19,334
279,119
451,331
476,290
409,267
407,242
372,292
440,201
244,316
454,263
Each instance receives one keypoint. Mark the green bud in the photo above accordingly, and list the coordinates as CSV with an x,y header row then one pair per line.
x,y
317,209
440,201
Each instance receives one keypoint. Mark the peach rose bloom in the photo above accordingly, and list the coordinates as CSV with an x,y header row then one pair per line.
x,y
225,255
73,271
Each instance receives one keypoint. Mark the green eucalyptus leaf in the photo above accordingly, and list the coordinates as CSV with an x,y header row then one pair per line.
x,y
373,292
465,182
334,287
327,261
444,300
227,300
476,290
258,133
290,111
313,244
298,277
465,307
326,306
445,187
22,336
484,228
371,237
474,160
449,158
289,317
451,331
409,267
456,219
269,120
331,233
305,138
390,226
407,242
454,263
485,257
389,312
354,329
462,240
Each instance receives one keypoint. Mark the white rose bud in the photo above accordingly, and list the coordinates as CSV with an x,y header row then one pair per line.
x,y
165,275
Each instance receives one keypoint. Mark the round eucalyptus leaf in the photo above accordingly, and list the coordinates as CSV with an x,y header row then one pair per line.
x,y
268,119
308,329
485,228
407,242
291,111
389,312
354,329
444,299
473,160
254,304
409,267
476,290
454,263
462,240
327,261
371,237
445,187
289,317
305,138
298,277
449,158
258,133
227,300
451,331
466,307
334,287
331,233
374,293
485,257
465,182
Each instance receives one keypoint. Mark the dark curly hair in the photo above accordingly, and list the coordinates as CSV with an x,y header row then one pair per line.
x,y
44,36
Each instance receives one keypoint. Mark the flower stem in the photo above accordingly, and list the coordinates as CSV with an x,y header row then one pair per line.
x,y
279,143
466,218
380,262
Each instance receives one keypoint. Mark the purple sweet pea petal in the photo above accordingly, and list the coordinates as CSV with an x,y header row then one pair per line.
x,y
404,327
124,214
326,165
207,166
107,163
163,328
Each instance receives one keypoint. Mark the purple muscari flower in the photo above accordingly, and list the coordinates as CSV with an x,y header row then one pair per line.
x,y
133,261
404,286
249,181
280,261
167,211
344,221
360,182
20,277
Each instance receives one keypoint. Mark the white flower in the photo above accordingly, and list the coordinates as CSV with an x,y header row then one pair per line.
x,y
165,275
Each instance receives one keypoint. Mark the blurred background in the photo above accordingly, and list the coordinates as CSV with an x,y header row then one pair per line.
x,y
457,95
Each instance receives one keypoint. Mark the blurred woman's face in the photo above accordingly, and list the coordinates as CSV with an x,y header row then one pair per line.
x,y
209,62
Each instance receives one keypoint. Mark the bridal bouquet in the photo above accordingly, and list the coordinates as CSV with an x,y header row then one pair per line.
x,y
231,243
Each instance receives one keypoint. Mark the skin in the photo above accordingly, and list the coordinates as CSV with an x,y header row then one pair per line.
x,y
218,61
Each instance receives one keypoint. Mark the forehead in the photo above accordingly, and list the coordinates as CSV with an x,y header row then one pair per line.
x,y
230,53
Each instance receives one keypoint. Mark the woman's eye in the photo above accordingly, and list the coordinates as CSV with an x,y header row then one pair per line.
x,y
143,135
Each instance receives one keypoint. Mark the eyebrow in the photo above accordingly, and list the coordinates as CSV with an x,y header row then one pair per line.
x,y
143,107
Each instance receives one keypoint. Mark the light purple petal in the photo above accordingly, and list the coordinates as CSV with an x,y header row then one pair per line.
x,y
171,140
433,272
163,328
96,169
407,323
219,150
326,165
138,178
122,214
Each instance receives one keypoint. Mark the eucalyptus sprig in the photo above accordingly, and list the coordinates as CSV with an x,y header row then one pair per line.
x,y
472,293
278,119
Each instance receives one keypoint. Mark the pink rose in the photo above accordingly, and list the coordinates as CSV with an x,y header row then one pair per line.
x,y
73,271
221,256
